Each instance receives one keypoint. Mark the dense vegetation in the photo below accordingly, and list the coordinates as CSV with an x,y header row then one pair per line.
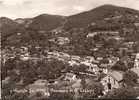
x,y
40,32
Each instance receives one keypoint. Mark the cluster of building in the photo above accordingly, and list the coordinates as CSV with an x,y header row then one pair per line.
x,y
111,79
95,66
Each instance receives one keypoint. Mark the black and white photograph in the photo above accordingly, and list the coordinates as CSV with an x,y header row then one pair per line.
x,y
69,49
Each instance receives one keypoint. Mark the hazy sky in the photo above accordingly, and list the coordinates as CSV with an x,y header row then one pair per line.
x,y
31,8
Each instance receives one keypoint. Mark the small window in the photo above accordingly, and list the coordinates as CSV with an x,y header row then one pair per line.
x,y
109,86
114,81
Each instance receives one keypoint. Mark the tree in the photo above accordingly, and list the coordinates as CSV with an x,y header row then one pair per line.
x,y
98,88
79,68
97,37
130,78
130,64
119,66
95,89
104,61
7,90
17,96
61,96
123,93
111,43
83,83
50,69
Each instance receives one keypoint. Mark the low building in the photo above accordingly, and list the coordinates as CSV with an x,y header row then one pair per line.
x,y
72,63
136,24
99,58
104,68
99,45
24,58
89,59
91,34
113,60
93,68
20,90
70,77
75,57
62,40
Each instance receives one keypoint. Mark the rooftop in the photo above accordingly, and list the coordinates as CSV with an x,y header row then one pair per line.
x,y
117,75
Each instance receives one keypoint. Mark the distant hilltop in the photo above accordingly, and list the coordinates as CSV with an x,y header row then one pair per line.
x,y
49,22
102,17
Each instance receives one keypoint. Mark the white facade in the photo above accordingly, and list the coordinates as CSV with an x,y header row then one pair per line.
x,y
136,64
109,79
38,86
70,77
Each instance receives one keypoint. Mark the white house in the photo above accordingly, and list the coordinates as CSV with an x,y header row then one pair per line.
x,y
91,34
93,68
24,58
70,77
113,60
89,58
137,60
104,68
113,80
62,40
72,63
75,57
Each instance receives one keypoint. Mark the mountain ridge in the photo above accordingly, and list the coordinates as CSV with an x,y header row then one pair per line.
x,y
45,23
98,13
74,21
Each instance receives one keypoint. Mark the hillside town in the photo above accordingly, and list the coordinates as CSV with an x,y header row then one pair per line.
x,y
100,61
